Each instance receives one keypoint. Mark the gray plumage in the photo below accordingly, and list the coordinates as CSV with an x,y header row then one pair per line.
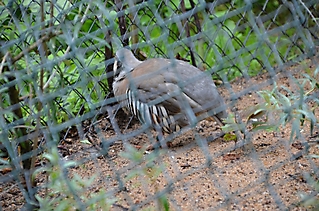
x,y
168,93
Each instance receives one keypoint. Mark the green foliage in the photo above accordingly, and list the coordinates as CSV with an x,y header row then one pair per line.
x,y
219,43
231,124
292,108
64,193
230,137
64,75
281,106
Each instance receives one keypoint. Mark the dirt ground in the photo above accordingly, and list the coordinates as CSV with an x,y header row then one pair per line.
x,y
270,173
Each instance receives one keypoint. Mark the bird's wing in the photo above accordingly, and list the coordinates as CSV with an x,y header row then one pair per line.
x,y
176,85
154,91
173,86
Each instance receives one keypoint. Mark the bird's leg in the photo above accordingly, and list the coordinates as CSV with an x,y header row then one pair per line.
x,y
163,143
160,140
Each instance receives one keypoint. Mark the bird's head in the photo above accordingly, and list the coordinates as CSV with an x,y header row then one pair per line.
x,y
124,62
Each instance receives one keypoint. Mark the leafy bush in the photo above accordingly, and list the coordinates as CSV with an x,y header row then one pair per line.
x,y
65,193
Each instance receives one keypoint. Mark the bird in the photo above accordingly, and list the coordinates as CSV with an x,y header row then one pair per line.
x,y
168,94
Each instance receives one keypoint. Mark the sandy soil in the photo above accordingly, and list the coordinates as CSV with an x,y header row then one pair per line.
x,y
266,173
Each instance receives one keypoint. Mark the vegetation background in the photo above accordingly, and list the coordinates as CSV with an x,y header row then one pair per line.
x,y
56,77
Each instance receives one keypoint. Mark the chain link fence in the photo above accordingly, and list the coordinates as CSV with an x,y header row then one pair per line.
x,y
66,144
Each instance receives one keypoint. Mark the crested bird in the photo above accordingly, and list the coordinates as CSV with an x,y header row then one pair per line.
x,y
166,93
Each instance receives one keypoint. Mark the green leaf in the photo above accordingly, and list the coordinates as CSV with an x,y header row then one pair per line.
x,y
266,95
230,137
254,112
164,202
307,113
132,153
85,141
70,163
285,101
268,128
53,157
231,125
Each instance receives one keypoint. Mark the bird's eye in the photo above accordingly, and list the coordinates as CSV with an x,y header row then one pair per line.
x,y
119,64
117,67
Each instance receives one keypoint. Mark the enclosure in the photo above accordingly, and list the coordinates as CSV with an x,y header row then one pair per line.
x,y
67,144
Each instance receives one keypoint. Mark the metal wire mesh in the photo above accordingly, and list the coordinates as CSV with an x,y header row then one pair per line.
x,y
66,143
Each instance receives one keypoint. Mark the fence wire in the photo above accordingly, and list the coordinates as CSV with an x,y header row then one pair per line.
x,y
67,144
